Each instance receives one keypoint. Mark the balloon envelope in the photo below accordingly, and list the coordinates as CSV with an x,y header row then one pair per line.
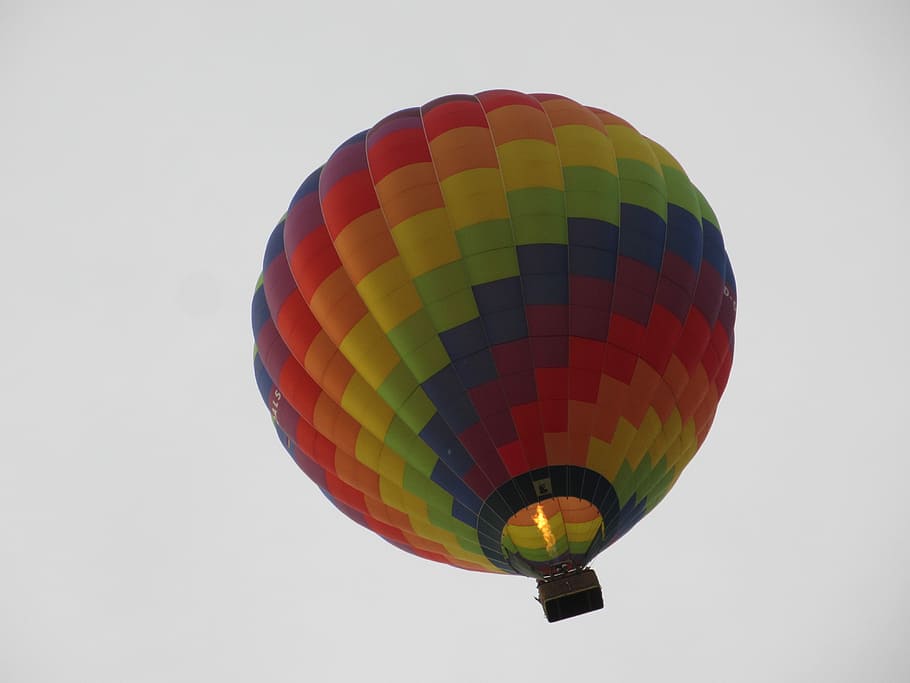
x,y
494,329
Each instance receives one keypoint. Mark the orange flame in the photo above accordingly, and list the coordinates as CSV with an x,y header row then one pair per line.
x,y
540,519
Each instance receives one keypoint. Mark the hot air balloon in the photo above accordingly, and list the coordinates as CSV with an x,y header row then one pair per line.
x,y
493,330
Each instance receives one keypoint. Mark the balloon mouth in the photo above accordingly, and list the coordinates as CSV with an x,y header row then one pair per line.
x,y
566,494
552,533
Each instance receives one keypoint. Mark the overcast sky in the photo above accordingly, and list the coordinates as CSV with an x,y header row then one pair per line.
x,y
153,529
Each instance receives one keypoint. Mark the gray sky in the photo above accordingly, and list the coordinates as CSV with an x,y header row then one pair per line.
x,y
153,529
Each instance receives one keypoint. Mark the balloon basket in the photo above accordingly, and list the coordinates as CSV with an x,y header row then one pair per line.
x,y
568,595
